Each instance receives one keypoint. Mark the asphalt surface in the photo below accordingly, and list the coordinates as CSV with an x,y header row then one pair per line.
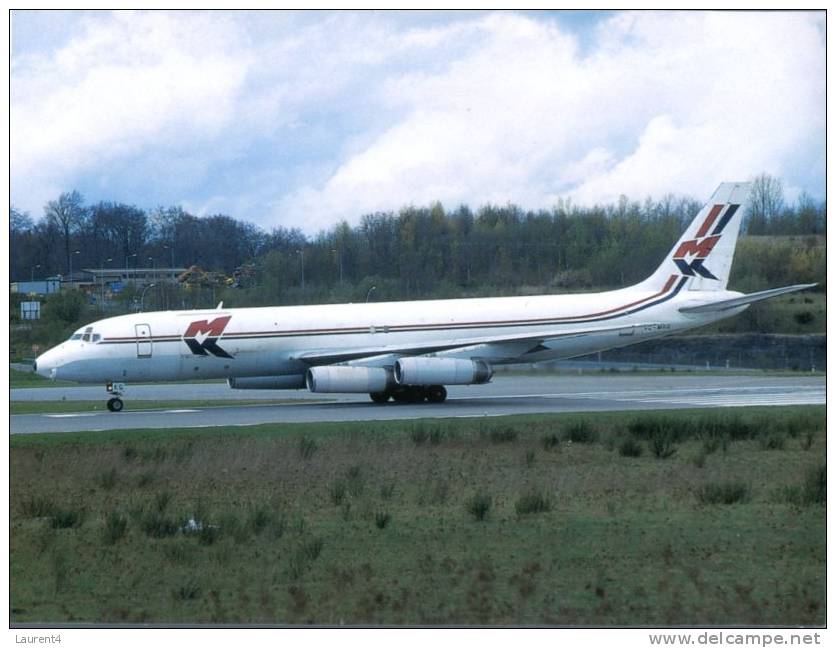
x,y
509,394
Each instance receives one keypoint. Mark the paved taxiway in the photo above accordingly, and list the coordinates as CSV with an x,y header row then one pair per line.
x,y
507,394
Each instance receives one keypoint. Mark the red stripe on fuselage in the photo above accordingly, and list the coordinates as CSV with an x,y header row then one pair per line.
x,y
418,327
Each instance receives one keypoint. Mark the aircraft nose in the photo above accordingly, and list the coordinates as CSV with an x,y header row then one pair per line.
x,y
46,364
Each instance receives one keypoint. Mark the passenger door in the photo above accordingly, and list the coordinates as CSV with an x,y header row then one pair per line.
x,y
144,345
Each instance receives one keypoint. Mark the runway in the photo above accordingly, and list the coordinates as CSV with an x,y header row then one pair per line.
x,y
507,394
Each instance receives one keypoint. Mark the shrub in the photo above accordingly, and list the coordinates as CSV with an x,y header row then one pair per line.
x,y
387,490
418,434
534,502
662,445
729,492
355,481
804,317
115,526
382,519
209,533
66,518
129,454
630,447
530,457
337,492
157,525
307,448
259,519
311,549
188,591
807,441
479,506
814,490
161,501
38,506
550,441
436,435
277,526
772,442
503,435
580,432
107,479
146,479
712,443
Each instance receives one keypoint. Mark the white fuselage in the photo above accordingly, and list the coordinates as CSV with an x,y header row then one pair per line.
x,y
224,343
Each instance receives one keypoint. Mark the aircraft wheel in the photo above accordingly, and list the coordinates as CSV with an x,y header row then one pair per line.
x,y
436,394
115,404
416,395
380,397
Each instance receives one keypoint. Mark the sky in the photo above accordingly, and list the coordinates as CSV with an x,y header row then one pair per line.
x,y
305,119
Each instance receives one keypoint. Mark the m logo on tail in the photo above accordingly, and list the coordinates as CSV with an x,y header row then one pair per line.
x,y
699,248
202,336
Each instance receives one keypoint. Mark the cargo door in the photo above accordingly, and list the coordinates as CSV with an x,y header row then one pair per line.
x,y
144,345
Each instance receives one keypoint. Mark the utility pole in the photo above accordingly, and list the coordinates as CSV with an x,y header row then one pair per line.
x,y
301,252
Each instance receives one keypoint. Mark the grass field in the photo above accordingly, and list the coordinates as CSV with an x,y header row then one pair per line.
x,y
19,378
693,517
59,407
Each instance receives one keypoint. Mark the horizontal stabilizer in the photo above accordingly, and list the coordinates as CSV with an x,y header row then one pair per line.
x,y
726,304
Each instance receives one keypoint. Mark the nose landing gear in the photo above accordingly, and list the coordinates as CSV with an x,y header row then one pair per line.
x,y
115,404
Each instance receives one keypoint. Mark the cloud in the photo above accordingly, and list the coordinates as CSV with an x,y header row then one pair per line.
x,y
128,85
303,119
664,102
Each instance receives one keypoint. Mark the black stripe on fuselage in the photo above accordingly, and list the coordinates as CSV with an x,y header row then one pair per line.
x,y
430,327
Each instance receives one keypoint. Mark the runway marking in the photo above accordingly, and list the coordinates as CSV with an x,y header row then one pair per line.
x,y
74,415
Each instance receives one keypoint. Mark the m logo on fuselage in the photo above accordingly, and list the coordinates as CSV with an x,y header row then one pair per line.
x,y
202,336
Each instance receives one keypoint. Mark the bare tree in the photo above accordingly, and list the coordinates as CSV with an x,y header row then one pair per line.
x,y
66,214
766,202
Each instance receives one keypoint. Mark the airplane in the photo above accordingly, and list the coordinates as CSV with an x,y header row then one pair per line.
x,y
409,351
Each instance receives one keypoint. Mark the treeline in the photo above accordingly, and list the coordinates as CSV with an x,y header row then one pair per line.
x,y
418,252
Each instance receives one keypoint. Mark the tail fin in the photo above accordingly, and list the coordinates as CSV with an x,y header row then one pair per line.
x,y
704,253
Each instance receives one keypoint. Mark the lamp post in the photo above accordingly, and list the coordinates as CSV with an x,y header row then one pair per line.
x,y
71,264
32,272
302,258
339,254
368,294
101,280
142,297
128,256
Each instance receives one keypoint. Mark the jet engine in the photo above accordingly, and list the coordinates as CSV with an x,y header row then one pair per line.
x,y
337,378
441,371
296,381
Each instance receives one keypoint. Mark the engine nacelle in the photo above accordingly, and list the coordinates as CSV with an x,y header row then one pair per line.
x,y
360,380
296,381
442,371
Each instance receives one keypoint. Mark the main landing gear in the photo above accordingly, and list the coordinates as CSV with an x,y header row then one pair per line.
x,y
115,404
411,394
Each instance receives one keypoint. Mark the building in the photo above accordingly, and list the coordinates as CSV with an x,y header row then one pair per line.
x,y
114,279
40,287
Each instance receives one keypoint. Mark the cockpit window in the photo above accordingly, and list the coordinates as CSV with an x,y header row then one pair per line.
x,y
86,336
96,337
76,336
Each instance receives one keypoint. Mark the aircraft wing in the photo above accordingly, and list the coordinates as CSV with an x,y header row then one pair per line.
x,y
331,356
726,304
